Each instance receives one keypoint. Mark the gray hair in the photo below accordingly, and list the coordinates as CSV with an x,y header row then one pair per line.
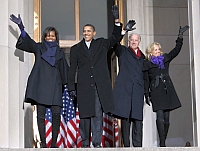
x,y
134,34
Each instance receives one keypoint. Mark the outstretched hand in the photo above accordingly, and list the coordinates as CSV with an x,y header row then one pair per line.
x,y
115,11
129,25
17,21
182,30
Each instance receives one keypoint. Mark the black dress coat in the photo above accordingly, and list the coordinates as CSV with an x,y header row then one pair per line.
x,y
92,71
45,82
158,83
129,85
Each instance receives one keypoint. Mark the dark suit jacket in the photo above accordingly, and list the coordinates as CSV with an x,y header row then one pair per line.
x,y
92,70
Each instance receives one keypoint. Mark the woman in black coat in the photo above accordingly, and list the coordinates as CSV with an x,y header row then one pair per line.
x,y
46,80
159,88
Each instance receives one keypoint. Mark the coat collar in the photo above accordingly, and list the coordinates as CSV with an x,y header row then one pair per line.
x,y
82,48
142,57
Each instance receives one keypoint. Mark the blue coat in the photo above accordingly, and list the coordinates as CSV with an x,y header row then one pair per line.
x,y
45,82
129,86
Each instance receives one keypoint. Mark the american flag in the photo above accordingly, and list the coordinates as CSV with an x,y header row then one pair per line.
x,y
69,133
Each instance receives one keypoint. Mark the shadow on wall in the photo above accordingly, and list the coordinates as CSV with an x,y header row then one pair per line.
x,y
18,53
28,126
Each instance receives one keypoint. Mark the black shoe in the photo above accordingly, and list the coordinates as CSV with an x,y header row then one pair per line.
x,y
54,147
43,145
97,146
85,146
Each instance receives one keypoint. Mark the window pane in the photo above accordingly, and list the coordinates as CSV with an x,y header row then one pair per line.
x,y
94,12
59,14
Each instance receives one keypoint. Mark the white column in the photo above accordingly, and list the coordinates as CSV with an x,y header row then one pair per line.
x,y
4,75
194,22
14,69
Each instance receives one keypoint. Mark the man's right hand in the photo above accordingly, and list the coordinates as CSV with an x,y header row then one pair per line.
x,y
72,94
129,25
115,11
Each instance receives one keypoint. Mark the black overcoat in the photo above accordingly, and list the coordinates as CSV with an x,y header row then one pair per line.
x,y
92,70
129,85
45,82
158,83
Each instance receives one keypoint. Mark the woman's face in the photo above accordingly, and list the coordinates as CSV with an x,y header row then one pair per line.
x,y
156,52
51,36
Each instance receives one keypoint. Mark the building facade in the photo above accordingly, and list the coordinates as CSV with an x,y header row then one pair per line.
x,y
157,20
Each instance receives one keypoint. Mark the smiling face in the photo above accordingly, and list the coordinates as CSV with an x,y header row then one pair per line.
x,y
88,33
51,36
156,51
134,41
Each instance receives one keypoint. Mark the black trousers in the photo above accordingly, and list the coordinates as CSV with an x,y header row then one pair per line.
x,y
92,123
137,127
41,111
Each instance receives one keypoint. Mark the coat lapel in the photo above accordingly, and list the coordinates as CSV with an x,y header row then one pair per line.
x,y
43,49
94,46
132,53
82,48
58,54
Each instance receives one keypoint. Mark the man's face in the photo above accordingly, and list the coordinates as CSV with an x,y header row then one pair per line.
x,y
88,33
134,42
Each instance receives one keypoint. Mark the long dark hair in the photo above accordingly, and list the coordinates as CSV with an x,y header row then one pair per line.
x,y
47,31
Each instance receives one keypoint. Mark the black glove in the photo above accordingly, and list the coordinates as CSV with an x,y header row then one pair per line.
x,y
147,100
72,94
129,25
182,30
17,21
115,11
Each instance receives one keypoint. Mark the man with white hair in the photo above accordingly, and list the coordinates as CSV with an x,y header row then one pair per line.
x,y
129,90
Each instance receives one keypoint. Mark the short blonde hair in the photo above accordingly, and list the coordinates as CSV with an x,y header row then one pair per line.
x,y
150,48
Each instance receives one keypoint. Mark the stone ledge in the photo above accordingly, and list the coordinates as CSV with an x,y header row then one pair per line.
x,y
107,149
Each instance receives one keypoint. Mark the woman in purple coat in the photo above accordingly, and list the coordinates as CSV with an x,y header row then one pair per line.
x,y
46,80
158,85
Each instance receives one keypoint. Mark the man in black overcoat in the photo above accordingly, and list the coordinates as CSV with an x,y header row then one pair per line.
x,y
94,90
129,90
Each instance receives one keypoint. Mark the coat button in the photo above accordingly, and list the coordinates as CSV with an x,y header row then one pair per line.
x,y
91,76
92,67
92,85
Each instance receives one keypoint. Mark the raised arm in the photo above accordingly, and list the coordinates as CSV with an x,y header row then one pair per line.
x,y
179,42
24,42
